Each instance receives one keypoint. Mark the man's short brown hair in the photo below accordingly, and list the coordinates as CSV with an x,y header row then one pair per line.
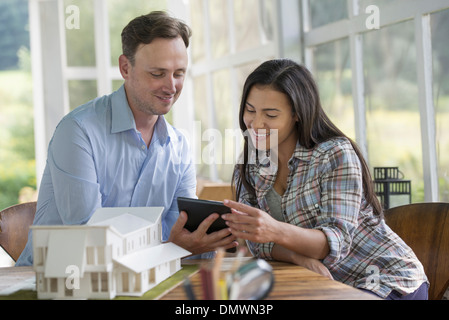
x,y
146,28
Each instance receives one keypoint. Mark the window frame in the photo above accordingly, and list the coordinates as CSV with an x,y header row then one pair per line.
x,y
295,41
353,28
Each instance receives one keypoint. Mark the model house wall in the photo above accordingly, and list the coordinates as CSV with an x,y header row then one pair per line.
x,y
118,252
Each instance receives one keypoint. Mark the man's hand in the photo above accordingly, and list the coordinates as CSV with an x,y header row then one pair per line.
x,y
199,241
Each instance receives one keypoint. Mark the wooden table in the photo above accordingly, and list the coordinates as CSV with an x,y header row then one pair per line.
x,y
291,283
16,278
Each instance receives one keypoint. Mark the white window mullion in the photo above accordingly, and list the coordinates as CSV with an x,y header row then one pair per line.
x,y
287,29
391,13
206,29
233,76
40,139
183,110
213,172
48,54
80,73
102,47
63,54
231,27
358,83
426,105
306,28
239,58
358,91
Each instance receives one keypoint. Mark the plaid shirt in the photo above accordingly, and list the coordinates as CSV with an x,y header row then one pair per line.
x,y
325,192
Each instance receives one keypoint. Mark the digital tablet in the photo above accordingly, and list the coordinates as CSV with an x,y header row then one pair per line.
x,y
197,210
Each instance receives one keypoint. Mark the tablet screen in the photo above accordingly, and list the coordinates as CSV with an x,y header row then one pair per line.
x,y
197,210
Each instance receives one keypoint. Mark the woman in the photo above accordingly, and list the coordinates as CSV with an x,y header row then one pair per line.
x,y
305,192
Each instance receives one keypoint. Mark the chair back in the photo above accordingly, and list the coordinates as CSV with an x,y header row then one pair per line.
x,y
15,223
425,228
216,191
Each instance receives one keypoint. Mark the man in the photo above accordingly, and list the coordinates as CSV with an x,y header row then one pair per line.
x,y
119,151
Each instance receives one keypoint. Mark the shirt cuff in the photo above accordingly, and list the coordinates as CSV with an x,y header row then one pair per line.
x,y
335,241
261,250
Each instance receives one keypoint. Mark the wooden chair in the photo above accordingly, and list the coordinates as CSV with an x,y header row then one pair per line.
x,y
425,228
218,191
15,223
215,191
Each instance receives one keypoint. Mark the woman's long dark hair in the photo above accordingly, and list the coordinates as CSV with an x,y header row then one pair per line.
x,y
314,126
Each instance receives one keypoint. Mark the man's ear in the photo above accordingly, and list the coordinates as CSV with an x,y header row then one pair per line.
x,y
124,66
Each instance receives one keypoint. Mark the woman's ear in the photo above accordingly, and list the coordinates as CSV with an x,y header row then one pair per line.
x,y
295,117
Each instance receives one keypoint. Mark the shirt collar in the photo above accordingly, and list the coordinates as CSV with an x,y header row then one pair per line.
x,y
266,175
123,119
122,116
164,132
301,153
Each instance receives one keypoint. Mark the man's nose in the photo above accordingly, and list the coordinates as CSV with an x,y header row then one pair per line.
x,y
170,84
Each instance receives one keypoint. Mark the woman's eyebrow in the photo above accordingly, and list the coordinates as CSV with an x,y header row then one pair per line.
x,y
265,109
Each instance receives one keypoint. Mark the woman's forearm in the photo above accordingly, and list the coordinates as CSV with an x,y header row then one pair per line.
x,y
279,253
307,242
255,225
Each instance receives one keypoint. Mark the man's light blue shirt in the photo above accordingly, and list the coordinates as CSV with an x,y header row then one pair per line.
x,y
97,158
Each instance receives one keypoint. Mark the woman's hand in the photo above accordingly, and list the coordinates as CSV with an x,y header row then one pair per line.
x,y
313,265
250,223
280,253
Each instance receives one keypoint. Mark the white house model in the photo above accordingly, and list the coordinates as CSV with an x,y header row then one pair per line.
x,y
118,252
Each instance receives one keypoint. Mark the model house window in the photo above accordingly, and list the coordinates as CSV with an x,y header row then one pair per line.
x,y
68,292
53,284
104,281
90,255
39,256
137,282
94,282
95,255
41,282
99,281
125,282
100,255
172,266
149,235
152,275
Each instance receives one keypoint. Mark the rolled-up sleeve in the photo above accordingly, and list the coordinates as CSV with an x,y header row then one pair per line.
x,y
341,196
258,250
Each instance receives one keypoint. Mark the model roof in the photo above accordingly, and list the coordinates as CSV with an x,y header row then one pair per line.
x,y
151,257
103,216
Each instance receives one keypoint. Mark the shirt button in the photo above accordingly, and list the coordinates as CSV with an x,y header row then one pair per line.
x,y
317,205
143,147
